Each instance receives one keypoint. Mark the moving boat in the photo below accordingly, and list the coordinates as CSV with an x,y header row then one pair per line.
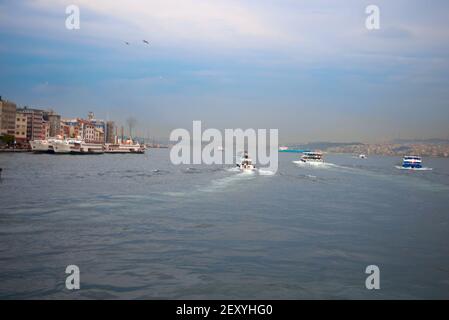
x,y
412,162
312,158
246,164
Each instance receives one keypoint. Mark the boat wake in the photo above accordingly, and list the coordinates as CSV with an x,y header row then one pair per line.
x,y
263,172
313,164
414,169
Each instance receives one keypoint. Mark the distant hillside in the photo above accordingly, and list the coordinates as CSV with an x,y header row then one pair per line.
x,y
420,141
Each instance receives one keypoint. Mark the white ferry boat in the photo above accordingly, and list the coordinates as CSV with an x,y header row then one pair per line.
x,y
312,158
127,147
43,146
39,146
75,146
414,162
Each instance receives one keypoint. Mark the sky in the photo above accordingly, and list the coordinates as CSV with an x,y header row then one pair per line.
x,y
309,68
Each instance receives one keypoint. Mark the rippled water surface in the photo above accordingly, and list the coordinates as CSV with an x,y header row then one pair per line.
x,y
139,227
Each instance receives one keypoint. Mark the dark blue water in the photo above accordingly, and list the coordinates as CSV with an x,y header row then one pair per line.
x,y
140,227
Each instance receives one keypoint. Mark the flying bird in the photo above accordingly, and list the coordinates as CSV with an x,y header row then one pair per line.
x,y
127,43
145,41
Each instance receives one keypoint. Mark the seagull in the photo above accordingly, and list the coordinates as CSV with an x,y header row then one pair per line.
x,y
145,41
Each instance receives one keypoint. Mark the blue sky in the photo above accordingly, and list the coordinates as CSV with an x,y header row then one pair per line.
x,y
309,68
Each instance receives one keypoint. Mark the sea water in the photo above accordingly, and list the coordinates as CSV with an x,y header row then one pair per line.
x,y
139,227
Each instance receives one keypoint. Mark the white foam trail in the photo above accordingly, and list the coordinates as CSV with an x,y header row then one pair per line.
x,y
414,169
314,164
263,172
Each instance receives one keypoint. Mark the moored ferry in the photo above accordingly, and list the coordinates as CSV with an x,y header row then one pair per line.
x,y
43,146
76,146
39,146
127,147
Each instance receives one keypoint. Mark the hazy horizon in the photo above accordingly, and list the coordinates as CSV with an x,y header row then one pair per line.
x,y
308,68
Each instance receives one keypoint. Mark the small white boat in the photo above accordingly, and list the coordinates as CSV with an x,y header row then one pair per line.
x,y
362,156
246,164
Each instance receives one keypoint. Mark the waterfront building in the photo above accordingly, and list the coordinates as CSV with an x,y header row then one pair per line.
x,y
98,135
71,128
35,119
110,136
54,123
99,124
7,117
87,131
21,128
45,130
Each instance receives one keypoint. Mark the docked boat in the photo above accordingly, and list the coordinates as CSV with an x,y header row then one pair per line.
x,y
43,146
75,146
128,147
40,146
246,164
312,158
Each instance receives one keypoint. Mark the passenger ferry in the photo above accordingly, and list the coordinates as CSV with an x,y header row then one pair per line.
x,y
43,146
412,162
76,146
128,147
312,158
39,146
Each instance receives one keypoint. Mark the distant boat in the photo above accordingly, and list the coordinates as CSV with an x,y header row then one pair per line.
x,y
412,163
362,156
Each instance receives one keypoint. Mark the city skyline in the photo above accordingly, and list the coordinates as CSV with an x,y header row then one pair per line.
x,y
310,69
